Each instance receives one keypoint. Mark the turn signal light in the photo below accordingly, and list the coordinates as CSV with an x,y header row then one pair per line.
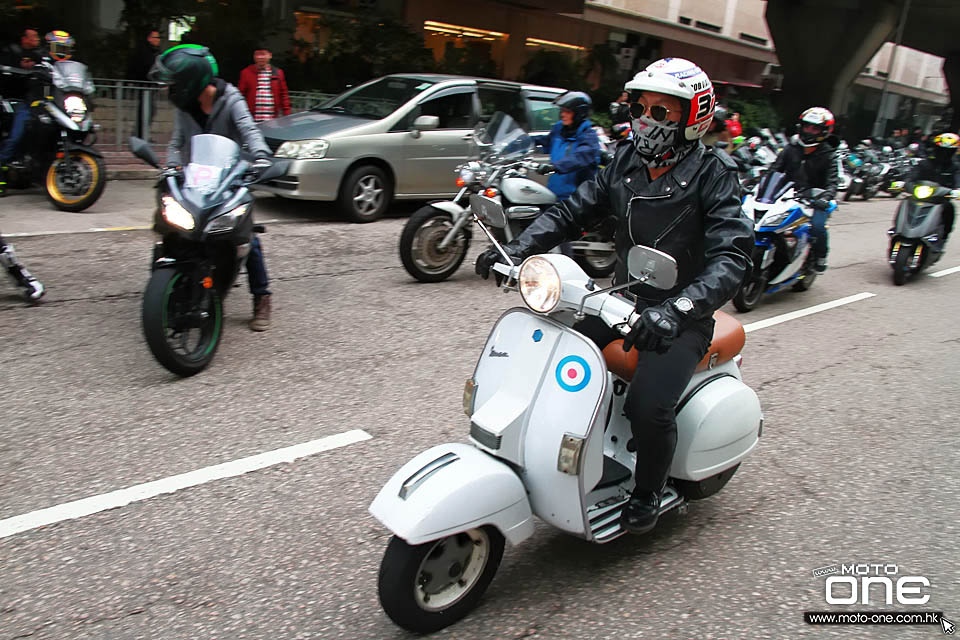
x,y
490,192
461,182
208,283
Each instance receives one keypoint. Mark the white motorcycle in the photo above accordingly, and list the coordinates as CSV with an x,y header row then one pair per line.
x,y
548,438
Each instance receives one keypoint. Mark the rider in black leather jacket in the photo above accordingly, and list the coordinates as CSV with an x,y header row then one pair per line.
x,y
668,192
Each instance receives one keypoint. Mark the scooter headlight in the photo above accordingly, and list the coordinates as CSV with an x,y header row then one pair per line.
x,y
227,221
539,284
175,214
922,191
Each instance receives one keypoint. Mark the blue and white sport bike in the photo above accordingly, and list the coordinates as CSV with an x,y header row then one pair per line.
x,y
782,255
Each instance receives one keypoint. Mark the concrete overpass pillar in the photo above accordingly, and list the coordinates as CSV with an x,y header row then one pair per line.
x,y
823,45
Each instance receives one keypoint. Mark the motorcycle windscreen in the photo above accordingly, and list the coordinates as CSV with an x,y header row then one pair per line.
x,y
503,137
772,186
537,383
72,77
211,159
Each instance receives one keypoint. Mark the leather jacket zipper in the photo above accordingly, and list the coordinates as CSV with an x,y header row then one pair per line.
x,y
630,212
673,225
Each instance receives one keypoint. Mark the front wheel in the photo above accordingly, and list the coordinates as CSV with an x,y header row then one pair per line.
x,y
748,297
76,186
900,268
365,194
420,249
182,320
806,281
426,587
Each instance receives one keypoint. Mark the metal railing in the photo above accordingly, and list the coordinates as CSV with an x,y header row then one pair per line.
x,y
121,105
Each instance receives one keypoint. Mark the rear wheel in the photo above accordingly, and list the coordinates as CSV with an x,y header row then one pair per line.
x,y
749,295
365,194
900,267
426,587
76,186
182,321
420,252
698,490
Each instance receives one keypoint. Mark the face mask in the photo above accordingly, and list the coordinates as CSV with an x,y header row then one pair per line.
x,y
656,141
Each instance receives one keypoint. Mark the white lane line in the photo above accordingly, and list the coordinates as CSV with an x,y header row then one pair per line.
x,y
793,315
945,272
123,497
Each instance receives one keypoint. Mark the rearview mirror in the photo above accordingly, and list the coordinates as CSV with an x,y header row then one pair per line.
x,y
141,149
652,267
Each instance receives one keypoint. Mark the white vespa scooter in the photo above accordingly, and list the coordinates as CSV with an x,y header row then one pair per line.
x,y
548,438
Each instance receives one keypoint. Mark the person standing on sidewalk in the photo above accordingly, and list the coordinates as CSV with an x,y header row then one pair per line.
x,y
265,87
137,69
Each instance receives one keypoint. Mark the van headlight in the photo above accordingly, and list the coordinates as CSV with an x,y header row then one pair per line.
x,y
175,214
539,284
303,149
227,221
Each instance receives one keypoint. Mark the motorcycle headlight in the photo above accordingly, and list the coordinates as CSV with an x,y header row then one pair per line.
x,y
922,191
75,107
775,220
466,177
539,284
175,214
227,221
303,149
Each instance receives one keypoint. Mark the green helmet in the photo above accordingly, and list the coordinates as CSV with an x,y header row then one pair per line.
x,y
187,69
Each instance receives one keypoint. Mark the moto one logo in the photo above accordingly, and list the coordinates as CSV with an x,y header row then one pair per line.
x,y
857,583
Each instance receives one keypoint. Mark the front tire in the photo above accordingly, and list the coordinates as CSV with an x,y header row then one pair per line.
x,y
79,187
365,194
170,318
421,256
748,297
426,587
900,268
809,276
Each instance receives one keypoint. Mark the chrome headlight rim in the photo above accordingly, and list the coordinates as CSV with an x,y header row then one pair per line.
x,y
174,213
540,284
314,149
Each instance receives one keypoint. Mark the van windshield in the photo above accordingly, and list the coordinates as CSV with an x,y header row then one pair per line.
x,y
376,99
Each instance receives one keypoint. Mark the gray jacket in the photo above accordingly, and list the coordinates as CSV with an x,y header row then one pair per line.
x,y
230,118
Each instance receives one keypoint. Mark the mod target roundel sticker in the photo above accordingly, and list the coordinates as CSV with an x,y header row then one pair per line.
x,y
573,373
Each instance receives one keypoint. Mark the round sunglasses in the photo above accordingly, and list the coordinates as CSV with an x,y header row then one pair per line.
x,y
657,112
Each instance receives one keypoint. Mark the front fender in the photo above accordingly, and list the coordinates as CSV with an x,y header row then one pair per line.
x,y
74,146
450,207
451,488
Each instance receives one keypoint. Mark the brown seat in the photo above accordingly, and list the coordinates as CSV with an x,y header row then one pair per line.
x,y
728,341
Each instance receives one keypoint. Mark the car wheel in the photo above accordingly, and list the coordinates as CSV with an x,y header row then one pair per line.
x,y
365,194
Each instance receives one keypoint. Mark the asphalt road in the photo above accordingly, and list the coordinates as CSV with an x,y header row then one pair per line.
x,y
857,462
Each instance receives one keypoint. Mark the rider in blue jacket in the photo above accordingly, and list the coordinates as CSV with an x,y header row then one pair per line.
x,y
573,146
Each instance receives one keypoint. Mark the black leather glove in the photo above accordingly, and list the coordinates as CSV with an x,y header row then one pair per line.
x,y
546,168
821,204
655,329
171,172
491,256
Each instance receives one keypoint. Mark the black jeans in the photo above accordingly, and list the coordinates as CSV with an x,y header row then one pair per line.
x,y
652,397
257,269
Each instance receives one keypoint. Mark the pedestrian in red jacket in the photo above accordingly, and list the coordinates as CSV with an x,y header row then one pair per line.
x,y
264,87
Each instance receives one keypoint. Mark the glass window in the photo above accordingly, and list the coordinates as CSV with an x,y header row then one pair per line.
x,y
544,114
377,99
494,99
454,110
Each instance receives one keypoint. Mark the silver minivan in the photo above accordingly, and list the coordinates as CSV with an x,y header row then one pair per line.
x,y
396,137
